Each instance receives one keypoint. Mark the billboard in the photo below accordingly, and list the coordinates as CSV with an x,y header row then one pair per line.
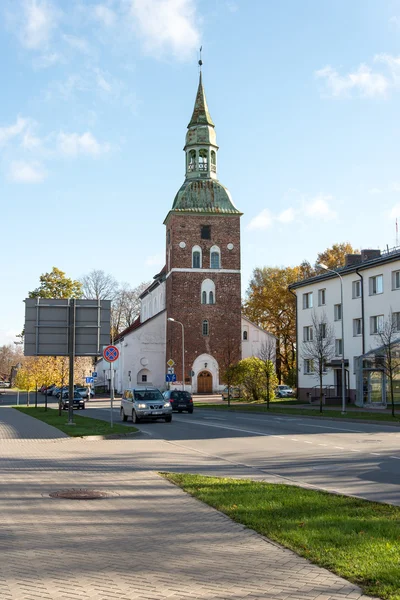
x,y
57,327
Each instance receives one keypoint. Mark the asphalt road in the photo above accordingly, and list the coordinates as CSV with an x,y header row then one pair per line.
x,y
359,459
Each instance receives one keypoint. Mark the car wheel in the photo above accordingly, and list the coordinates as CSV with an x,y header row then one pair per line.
x,y
169,418
190,411
123,415
135,418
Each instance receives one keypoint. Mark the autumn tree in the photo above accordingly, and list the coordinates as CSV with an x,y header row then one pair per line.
x,y
98,285
56,285
335,257
319,348
389,351
267,354
251,375
24,381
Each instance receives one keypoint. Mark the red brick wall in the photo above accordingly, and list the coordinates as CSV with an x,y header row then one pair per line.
x,y
184,292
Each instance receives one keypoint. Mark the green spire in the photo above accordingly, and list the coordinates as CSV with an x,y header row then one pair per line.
x,y
200,115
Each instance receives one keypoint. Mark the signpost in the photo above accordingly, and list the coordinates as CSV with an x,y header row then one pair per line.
x,y
170,377
94,374
170,362
111,354
89,379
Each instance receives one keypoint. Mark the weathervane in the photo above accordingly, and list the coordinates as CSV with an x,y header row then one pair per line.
x,y
200,61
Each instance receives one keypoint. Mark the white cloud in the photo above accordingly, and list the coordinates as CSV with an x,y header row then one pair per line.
x,y
167,26
318,208
392,187
47,60
39,19
286,216
395,21
262,221
363,80
375,191
102,83
73,144
155,260
24,172
104,14
30,141
11,131
77,43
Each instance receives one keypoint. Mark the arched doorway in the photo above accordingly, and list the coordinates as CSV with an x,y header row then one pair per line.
x,y
204,382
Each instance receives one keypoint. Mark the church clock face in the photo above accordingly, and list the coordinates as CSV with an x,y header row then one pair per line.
x,y
230,246
182,245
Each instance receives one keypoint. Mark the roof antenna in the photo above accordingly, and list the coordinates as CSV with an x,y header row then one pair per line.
x,y
200,61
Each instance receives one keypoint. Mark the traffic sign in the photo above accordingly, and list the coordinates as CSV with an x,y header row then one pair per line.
x,y
170,362
170,377
171,370
110,353
89,379
94,374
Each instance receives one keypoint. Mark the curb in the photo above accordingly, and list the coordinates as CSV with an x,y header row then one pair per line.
x,y
109,436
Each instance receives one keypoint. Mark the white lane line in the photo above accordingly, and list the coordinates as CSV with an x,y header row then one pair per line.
x,y
294,440
352,450
339,447
325,445
305,441
375,454
395,457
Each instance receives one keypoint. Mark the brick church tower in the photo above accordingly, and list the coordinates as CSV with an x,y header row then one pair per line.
x,y
203,291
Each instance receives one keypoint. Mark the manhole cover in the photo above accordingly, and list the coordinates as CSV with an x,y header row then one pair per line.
x,y
79,494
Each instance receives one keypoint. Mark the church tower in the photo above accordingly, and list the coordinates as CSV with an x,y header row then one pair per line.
x,y
203,290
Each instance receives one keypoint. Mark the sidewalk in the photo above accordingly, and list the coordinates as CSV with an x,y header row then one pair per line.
x,y
147,540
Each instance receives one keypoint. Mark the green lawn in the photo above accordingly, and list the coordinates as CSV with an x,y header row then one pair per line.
x,y
84,425
357,539
262,408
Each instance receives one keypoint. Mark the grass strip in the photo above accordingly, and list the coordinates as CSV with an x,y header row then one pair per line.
x,y
313,412
354,538
83,425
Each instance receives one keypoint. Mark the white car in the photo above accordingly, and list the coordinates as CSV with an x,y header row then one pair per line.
x,y
284,391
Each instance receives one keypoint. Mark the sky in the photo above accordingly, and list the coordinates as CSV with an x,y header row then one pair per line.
x,y
96,96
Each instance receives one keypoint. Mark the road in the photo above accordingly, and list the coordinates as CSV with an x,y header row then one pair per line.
x,y
359,459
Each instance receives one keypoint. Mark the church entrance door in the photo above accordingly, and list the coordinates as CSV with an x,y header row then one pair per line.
x,y
204,383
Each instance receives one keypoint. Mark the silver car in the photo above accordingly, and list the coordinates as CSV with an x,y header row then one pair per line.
x,y
145,403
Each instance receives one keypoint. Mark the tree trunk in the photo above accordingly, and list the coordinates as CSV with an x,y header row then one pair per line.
x,y
320,392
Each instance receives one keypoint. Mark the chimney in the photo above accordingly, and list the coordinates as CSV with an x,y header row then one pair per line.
x,y
352,259
369,254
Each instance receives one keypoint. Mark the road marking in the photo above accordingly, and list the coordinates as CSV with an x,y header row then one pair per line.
x,y
294,440
375,454
305,441
351,450
339,447
395,457
325,445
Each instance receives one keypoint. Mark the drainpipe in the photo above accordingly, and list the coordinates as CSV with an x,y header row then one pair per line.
x,y
362,311
297,347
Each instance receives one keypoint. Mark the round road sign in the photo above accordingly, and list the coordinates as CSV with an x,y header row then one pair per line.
x,y
110,353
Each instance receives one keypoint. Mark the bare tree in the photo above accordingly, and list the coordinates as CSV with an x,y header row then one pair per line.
x,y
126,306
99,286
267,354
389,351
9,357
319,347
230,365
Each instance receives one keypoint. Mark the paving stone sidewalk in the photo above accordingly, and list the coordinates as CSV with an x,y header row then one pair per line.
x,y
147,540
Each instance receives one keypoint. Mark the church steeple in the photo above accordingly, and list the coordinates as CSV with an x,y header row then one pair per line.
x,y
201,142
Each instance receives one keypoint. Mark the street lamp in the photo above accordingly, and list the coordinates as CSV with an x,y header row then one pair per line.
x,y
323,266
183,350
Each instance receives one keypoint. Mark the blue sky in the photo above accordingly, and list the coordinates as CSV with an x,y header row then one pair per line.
x,y
95,100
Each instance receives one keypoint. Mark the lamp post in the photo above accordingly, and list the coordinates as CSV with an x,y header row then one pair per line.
x,y
323,266
183,350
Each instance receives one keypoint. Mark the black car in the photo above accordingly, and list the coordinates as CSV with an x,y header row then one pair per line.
x,y
79,402
179,400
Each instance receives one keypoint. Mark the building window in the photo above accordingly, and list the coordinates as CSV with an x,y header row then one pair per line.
x,y
308,366
322,331
144,378
376,285
213,161
357,327
192,160
307,334
337,312
204,298
396,280
215,262
356,288
339,347
203,160
211,298
196,257
205,328
376,324
207,291
245,336
206,232
396,321
321,297
307,300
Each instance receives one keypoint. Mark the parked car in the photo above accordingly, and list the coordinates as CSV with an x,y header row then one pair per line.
x,y
236,392
49,391
145,403
78,402
284,391
83,391
179,400
5,384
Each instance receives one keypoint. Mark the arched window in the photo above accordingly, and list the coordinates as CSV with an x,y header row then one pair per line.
x,y
191,160
207,291
213,161
203,160
215,254
245,336
205,328
196,257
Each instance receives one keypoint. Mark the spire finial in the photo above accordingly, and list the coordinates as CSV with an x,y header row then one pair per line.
x,y
200,61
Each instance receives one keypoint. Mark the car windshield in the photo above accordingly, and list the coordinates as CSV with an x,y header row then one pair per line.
x,y
284,387
148,395
180,395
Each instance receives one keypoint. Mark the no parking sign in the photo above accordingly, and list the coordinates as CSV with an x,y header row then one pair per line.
x,y
110,353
